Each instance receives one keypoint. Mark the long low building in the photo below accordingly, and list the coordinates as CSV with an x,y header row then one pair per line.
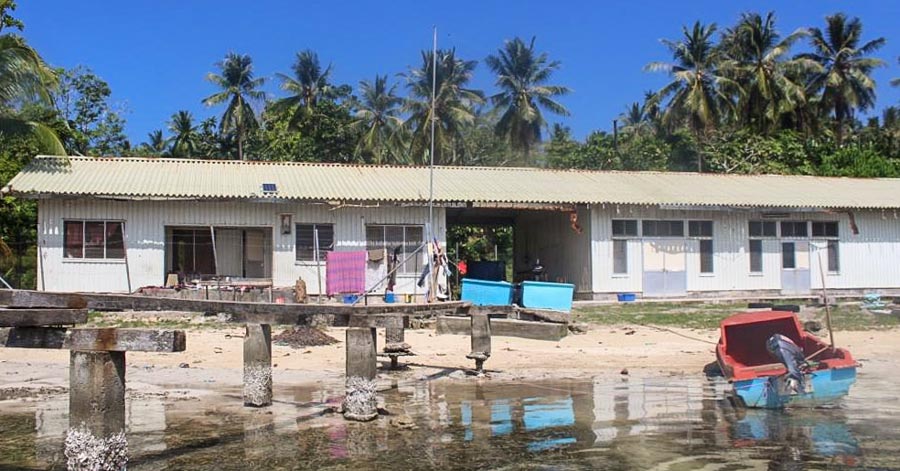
x,y
114,224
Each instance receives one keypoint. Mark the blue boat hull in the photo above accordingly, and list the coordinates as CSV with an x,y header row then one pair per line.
x,y
827,387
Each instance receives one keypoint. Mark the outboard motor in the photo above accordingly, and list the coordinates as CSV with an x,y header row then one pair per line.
x,y
788,353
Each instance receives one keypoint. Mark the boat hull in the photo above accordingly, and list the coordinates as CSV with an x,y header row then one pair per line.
x,y
827,386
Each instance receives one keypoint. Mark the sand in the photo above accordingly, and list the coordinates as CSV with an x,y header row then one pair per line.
x,y
213,359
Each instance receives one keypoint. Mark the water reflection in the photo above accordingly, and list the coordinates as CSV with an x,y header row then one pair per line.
x,y
629,423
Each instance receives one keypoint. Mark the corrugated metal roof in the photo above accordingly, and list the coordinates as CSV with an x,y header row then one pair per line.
x,y
161,178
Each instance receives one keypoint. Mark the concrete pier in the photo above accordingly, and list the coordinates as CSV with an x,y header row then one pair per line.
x,y
359,401
258,365
361,354
395,345
96,436
481,340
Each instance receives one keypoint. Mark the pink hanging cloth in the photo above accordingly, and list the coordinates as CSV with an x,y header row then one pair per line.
x,y
345,272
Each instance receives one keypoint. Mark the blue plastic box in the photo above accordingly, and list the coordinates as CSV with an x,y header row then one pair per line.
x,y
625,297
543,295
486,293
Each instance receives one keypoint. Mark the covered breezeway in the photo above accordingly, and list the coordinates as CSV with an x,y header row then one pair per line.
x,y
556,237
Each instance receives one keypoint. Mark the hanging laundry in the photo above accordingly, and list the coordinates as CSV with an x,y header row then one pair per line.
x,y
345,272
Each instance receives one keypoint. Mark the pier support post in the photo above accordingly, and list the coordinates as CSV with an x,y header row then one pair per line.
x,y
481,341
359,401
395,344
258,365
96,435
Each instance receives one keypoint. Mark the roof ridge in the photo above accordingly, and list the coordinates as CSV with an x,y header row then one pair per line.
x,y
457,167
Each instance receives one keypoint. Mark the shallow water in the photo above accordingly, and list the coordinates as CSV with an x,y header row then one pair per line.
x,y
665,423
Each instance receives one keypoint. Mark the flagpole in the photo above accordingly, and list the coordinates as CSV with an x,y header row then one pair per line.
x,y
433,119
431,267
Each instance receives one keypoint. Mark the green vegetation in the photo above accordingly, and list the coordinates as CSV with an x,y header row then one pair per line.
x,y
854,317
745,99
689,315
845,316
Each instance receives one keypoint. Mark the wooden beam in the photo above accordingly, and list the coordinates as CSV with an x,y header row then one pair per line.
x,y
39,317
103,340
240,312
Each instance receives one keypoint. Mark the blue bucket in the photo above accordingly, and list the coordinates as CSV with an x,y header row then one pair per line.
x,y
350,298
389,298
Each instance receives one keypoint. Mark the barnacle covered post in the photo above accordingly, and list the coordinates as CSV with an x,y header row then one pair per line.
x,y
359,401
96,436
481,341
258,365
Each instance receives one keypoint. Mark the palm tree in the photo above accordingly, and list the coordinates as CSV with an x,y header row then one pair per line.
x,y
844,79
522,76
239,89
453,107
24,76
896,82
156,143
378,115
309,82
700,94
185,137
756,58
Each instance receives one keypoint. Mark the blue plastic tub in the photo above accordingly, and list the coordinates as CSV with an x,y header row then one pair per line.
x,y
625,297
543,295
350,298
486,293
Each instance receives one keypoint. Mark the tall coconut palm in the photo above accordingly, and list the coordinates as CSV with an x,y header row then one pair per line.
x,y
756,57
844,81
698,94
378,117
24,76
522,76
453,110
240,90
156,143
185,136
309,83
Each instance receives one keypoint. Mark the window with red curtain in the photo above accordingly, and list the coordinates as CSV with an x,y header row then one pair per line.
x,y
94,239
73,239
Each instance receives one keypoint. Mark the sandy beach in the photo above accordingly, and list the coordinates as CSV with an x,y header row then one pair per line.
x,y
213,358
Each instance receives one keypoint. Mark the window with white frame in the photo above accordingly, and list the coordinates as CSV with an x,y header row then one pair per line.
x,y
829,230
794,229
759,230
662,228
763,229
305,241
622,230
703,230
94,240
400,239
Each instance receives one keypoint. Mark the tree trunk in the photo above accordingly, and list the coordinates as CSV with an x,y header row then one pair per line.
x,y
240,137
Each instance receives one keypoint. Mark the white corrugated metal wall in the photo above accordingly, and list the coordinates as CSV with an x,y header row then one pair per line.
x,y
145,223
869,259
549,236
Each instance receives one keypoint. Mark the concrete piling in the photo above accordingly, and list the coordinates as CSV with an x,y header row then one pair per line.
x,y
258,365
481,340
395,344
96,436
360,402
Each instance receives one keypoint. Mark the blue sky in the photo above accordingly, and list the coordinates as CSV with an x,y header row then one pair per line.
x,y
155,54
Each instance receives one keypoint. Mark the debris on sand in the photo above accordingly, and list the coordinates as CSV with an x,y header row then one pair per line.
x,y
303,336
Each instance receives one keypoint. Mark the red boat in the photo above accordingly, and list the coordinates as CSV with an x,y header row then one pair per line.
x,y
757,378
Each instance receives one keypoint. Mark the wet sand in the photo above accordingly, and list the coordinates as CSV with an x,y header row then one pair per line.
x,y
214,358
